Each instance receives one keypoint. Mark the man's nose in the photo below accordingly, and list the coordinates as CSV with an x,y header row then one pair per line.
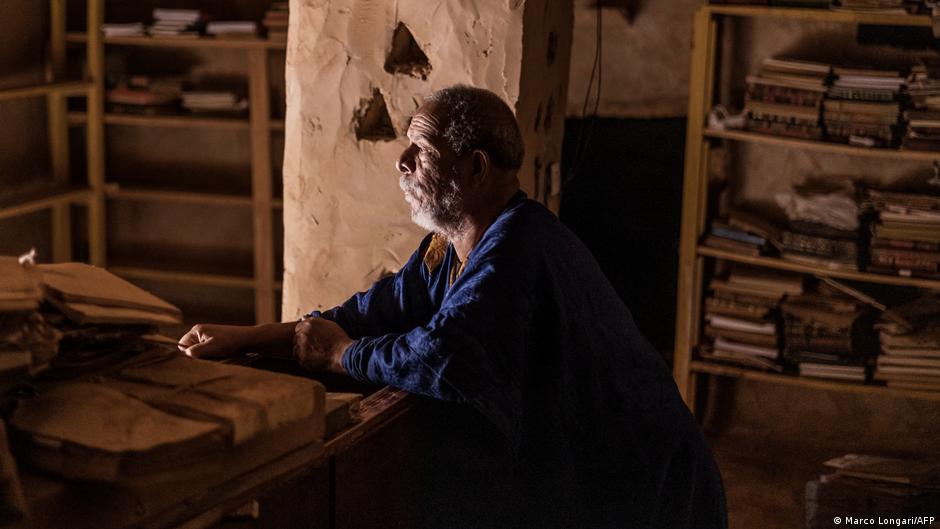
x,y
406,162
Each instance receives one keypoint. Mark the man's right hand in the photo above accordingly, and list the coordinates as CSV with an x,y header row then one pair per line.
x,y
215,341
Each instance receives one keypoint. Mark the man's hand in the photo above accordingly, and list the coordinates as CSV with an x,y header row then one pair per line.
x,y
215,341
319,344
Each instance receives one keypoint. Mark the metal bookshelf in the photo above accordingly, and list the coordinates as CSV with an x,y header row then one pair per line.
x,y
692,256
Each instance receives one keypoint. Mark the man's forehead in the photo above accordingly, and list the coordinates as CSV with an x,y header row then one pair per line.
x,y
427,121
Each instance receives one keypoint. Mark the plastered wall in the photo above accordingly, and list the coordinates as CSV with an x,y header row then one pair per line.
x,y
645,70
345,221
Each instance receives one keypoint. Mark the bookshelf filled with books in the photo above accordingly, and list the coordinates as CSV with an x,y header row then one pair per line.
x,y
810,240
192,108
69,202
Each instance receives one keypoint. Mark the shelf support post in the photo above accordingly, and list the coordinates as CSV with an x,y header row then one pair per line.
x,y
262,213
694,192
94,132
58,127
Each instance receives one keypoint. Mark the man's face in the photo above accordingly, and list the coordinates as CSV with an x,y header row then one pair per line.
x,y
429,174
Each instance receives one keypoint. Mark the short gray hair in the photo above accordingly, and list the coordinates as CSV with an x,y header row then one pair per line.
x,y
479,119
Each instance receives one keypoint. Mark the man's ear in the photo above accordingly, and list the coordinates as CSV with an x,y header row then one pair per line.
x,y
481,166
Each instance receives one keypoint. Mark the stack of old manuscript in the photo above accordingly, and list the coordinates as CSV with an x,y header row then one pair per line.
x,y
142,94
179,23
785,98
743,232
275,20
823,226
101,318
822,337
866,489
906,234
740,317
863,107
27,341
163,417
910,347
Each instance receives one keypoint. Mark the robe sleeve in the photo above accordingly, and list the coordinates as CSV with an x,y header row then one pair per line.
x,y
470,351
395,303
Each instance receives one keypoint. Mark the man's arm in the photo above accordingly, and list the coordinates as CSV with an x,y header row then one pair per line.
x,y
216,341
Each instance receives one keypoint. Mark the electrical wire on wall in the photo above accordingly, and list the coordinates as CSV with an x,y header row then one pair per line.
x,y
582,145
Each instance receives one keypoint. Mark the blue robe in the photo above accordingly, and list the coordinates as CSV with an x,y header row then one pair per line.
x,y
533,337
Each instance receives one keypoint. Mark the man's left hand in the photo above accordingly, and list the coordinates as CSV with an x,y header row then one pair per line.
x,y
319,344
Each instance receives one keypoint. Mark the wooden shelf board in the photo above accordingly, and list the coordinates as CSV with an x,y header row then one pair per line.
x,y
820,15
780,264
821,146
179,42
80,118
179,197
43,200
68,88
172,276
713,368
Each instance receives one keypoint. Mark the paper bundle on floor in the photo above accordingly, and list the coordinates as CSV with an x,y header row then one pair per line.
x,y
872,487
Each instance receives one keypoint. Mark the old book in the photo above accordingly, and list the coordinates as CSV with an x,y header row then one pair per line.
x,y
834,372
738,247
723,344
890,360
749,338
731,307
166,412
88,313
744,360
82,283
737,324
19,286
767,280
342,409
66,432
888,469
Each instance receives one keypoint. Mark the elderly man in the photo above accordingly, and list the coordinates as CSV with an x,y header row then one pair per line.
x,y
504,311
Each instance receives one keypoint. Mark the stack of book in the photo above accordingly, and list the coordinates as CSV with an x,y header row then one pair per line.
x,y
232,29
897,492
863,108
910,351
27,341
744,233
923,86
213,102
906,234
133,29
923,130
275,21
141,94
818,336
176,22
785,98
741,317
819,245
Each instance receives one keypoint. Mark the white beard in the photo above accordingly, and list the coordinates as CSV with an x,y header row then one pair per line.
x,y
429,215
